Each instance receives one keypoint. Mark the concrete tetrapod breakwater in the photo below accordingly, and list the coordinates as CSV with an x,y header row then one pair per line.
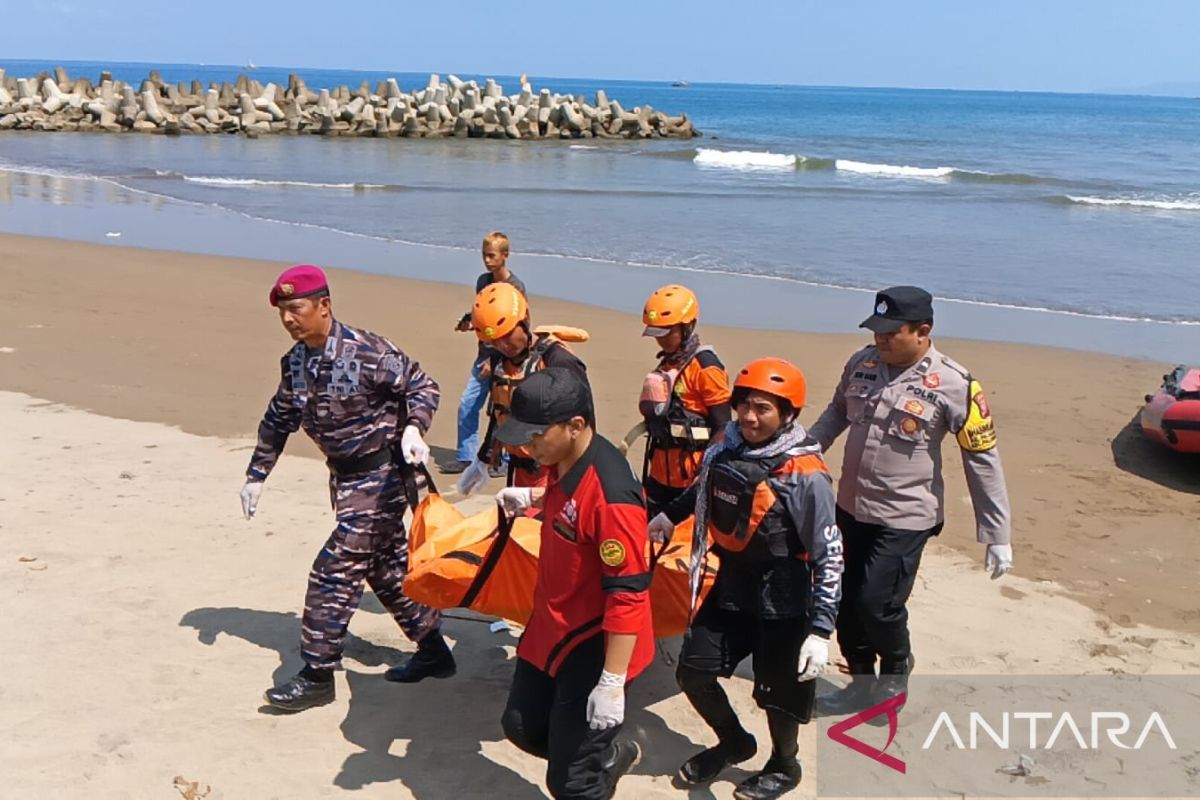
x,y
53,101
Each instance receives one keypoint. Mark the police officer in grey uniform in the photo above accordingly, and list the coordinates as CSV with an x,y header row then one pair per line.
x,y
899,398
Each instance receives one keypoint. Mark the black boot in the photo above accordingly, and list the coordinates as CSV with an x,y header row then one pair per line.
x,y
853,698
309,689
433,659
893,680
734,743
776,779
782,771
706,765
624,756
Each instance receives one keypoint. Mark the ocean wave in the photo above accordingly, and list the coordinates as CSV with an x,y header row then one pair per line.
x,y
864,168
760,160
951,173
213,180
744,159
1192,203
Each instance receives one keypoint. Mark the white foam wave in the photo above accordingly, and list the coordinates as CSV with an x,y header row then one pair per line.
x,y
217,181
1133,202
864,168
745,159
583,147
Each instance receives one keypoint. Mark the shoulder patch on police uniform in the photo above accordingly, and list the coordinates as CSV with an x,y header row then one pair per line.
x,y
956,367
978,433
612,552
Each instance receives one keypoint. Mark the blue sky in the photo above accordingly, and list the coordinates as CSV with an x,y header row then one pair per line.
x,y
1056,45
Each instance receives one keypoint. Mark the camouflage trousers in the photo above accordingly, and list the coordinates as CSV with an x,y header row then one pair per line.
x,y
369,544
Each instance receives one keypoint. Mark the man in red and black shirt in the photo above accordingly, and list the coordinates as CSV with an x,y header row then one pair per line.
x,y
590,631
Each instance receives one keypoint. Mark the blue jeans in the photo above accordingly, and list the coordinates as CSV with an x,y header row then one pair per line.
x,y
474,398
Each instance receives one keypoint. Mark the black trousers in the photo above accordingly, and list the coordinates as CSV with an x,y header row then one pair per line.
x,y
659,496
881,568
547,717
719,639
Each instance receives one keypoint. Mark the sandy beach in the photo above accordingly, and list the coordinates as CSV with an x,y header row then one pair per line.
x,y
151,616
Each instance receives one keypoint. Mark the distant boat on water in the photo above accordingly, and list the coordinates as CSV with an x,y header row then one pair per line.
x,y
680,84
251,65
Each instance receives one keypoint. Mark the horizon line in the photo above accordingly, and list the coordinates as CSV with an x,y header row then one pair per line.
x,y
1128,92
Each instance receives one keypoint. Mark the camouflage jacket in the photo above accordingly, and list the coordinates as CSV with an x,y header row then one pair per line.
x,y
353,399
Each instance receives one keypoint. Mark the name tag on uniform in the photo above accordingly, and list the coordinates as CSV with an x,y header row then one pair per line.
x,y
345,377
566,520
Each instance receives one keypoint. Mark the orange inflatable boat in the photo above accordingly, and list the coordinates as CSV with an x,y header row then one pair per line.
x,y
1172,415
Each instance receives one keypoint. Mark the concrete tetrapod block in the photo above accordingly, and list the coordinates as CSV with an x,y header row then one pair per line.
x,y
150,106
573,119
353,109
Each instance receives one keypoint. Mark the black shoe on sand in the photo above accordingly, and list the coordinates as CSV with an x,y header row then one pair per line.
x,y
300,694
706,765
777,778
454,467
433,659
625,755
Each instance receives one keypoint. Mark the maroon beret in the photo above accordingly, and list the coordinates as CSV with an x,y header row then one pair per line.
x,y
304,280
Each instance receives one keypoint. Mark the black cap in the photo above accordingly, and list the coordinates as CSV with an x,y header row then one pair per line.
x,y
898,305
544,398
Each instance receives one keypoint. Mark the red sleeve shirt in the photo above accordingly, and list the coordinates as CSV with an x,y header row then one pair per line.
x,y
593,575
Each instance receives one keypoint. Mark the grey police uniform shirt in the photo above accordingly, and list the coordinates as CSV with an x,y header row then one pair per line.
x,y
892,466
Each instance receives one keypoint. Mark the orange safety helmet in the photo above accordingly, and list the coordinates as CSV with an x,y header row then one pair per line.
x,y
669,306
774,376
499,308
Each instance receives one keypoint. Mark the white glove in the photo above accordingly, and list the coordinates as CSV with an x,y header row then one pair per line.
x,y
413,447
606,703
998,559
661,529
250,494
474,478
814,657
515,499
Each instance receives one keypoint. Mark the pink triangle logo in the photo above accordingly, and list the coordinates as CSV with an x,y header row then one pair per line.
x,y
891,707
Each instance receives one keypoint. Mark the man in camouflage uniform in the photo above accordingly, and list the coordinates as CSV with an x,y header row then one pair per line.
x,y
899,398
363,402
